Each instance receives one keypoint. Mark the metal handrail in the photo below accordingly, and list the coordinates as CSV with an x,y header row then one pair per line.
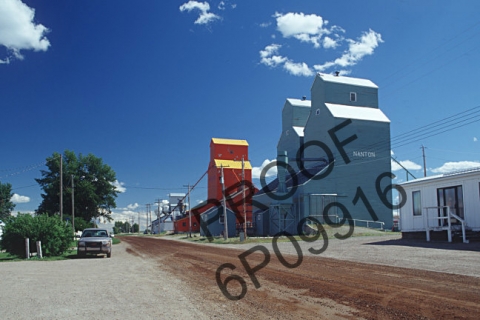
x,y
382,224
449,215
337,219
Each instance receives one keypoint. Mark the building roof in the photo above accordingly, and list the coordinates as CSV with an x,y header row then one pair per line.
x,y
300,103
299,130
347,80
445,175
358,113
232,164
230,142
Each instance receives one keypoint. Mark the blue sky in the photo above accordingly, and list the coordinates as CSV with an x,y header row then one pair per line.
x,y
145,85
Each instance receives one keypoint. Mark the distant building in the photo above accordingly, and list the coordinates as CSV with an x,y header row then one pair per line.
x,y
229,156
183,225
337,147
177,205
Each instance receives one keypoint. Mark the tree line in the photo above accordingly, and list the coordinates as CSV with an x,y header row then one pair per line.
x,y
86,178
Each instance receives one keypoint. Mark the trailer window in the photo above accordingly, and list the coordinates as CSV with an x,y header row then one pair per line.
x,y
417,203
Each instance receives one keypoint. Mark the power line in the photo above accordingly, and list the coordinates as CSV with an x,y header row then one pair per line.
x,y
449,123
32,185
429,54
159,188
20,170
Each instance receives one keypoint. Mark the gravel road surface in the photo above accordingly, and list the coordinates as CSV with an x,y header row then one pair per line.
x,y
156,278
122,287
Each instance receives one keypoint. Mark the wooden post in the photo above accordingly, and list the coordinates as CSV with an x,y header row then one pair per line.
x,y
27,248
39,249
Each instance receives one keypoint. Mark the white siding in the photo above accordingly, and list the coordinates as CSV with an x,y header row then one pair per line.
x,y
428,189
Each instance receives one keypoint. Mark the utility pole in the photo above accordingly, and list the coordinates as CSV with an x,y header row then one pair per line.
x,y
158,202
424,162
189,211
243,197
222,181
138,213
73,206
61,187
148,212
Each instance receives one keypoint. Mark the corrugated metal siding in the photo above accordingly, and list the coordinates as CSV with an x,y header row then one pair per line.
x,y
214,226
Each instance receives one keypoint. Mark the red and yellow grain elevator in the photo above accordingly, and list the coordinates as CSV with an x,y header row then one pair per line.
x,y
231,156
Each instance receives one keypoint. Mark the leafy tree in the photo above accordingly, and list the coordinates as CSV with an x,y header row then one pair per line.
x,y
125,227
6,205
80,223
136,227
55,235
94,192
117,228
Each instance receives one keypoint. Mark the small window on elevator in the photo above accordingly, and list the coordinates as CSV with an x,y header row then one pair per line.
x,y
353,96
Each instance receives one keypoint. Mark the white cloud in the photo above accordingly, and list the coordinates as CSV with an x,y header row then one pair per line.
x,y
456,166
329,43
119,186
313,29
306,28
18,31
265,24
298,69
205,16
356,51
16,198
475,139
223,5
410,165
256,171
344,72
133,206
269,56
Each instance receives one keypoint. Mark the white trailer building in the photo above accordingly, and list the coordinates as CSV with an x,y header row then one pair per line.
x,y
442,206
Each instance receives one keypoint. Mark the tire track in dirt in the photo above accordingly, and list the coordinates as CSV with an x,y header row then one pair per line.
x,y
319,288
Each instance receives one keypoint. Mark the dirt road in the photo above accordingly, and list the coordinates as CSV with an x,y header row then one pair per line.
x,y
318,287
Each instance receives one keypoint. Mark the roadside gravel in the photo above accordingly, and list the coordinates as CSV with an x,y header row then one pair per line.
x,y
122,287
133,285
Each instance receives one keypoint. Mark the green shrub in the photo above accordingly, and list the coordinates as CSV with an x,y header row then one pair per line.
x,y
54,235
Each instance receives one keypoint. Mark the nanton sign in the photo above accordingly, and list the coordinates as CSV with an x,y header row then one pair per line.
x,y
364,154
